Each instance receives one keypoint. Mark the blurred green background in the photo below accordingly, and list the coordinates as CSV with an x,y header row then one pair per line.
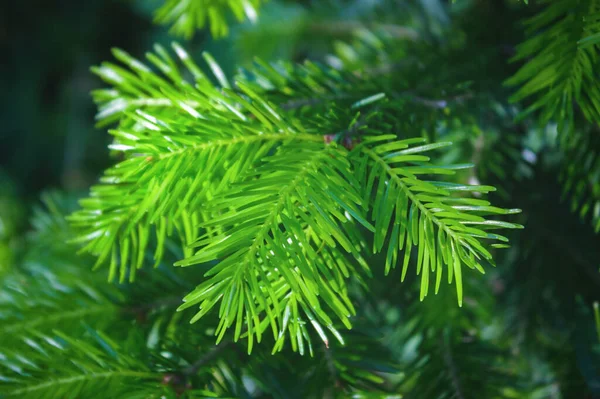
x,y
47,136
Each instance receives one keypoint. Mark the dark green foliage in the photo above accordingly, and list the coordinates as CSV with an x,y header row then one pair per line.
x,y
282,227
581,177
90,371
561,71
241,179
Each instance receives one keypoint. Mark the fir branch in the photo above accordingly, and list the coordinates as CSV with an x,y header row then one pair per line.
x,y
141,88
57,383
559,72
580,176
275,203
41,293
430,207
284,199
275,192
189,154
93,369
59,318
186,16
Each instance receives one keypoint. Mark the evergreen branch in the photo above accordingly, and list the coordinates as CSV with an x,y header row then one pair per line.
x,y
141,88
273,189
396,166
50,307
52,290
118,217
272,208
258,193
60,318
559,72
40,295
243,140
186,16
314,88
580,176
93,368
173,161
498,155
80,379
293,86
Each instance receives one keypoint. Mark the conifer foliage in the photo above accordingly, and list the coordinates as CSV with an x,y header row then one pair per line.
x,y
328,227
275,203
186,16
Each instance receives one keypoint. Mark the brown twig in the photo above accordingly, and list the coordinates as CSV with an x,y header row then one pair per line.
x,y
448,359
330,363
206,358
